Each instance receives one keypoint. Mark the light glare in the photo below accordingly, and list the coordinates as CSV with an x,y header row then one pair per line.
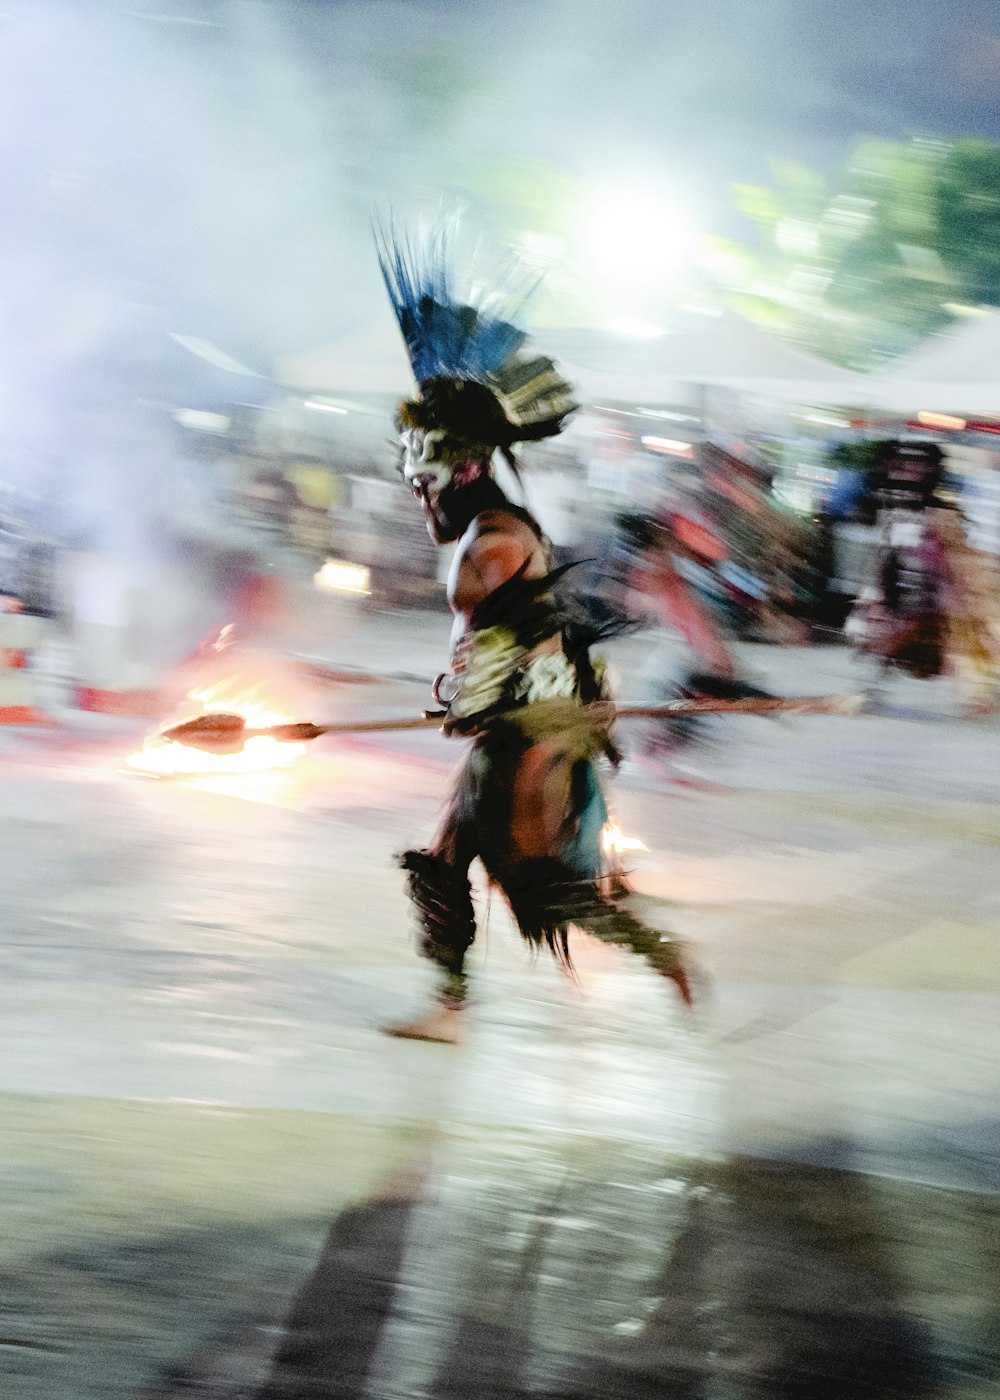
x,y
635,236
341,577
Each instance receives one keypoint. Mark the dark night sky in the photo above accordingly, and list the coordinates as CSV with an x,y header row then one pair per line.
x,y
228,166
719,87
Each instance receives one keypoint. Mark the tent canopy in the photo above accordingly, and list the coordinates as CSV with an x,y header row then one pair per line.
x,y
726,351
207,379
370,360
723,350
955,372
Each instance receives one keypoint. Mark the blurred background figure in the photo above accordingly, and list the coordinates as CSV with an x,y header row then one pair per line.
x,y
675,562
931,606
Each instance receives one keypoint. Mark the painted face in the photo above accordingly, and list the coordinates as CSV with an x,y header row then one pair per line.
x,y
437,465
425,467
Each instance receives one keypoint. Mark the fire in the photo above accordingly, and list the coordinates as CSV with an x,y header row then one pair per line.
x,y
162,758
617,843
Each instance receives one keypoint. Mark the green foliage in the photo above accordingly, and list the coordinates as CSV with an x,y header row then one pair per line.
x,y
434,86
526,194
760,204
536,208
863,457
861,271
967,210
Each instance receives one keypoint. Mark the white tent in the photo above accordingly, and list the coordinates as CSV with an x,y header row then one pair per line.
x,y
371,360
957,372
731,351
597,386
723,350
700,350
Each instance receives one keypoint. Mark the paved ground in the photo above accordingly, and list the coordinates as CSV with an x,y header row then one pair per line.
x,y
218,1178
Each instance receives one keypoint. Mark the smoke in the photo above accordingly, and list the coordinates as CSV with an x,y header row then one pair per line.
x,y
210,167
708,92
220,160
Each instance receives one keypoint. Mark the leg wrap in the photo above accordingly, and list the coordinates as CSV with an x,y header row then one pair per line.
x,y
443,899
616,925
546,900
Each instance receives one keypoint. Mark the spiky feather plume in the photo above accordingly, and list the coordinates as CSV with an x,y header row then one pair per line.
x,y
454,344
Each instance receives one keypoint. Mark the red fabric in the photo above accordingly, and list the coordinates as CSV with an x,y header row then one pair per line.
x,y
22,714
698,538
139,704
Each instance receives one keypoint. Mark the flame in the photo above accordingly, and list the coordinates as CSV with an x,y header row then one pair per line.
x,y
616,842
162,758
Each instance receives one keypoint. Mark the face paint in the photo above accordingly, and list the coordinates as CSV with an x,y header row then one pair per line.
x,y
437,466
426,474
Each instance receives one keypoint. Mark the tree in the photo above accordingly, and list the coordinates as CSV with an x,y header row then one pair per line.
x,y
861,268
967,209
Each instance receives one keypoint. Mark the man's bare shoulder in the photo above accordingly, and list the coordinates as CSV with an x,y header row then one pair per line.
x,y
497,545
498,521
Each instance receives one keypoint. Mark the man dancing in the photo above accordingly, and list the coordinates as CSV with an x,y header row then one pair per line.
x,y
528,801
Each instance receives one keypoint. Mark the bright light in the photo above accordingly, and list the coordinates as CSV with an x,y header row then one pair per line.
x,y
826,420
940,420
673,447
635,235
324,407
798,237
959,308
202,421
341,577
615,841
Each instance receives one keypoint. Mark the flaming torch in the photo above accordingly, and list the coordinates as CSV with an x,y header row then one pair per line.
x,y
263,744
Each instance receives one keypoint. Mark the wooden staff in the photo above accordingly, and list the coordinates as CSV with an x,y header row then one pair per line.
x,y
227,733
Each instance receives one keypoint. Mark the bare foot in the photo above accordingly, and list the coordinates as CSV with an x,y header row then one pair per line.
x,y
681,981
443,1025
688,977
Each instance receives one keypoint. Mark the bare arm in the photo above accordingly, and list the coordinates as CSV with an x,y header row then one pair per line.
x,y
497,547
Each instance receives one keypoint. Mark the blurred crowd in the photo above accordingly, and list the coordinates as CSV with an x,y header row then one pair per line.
x,y
743,563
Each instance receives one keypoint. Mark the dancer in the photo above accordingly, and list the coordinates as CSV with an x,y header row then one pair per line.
x,y
528,801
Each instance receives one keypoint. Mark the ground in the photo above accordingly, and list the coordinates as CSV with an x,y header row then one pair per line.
x,y
219,1177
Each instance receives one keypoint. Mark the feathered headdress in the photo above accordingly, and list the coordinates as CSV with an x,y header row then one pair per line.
x,y
476,378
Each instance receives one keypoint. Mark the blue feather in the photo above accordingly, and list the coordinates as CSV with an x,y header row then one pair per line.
x,y
445,338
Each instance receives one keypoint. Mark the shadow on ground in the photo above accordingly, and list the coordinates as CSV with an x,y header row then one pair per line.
x,y
771,1282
